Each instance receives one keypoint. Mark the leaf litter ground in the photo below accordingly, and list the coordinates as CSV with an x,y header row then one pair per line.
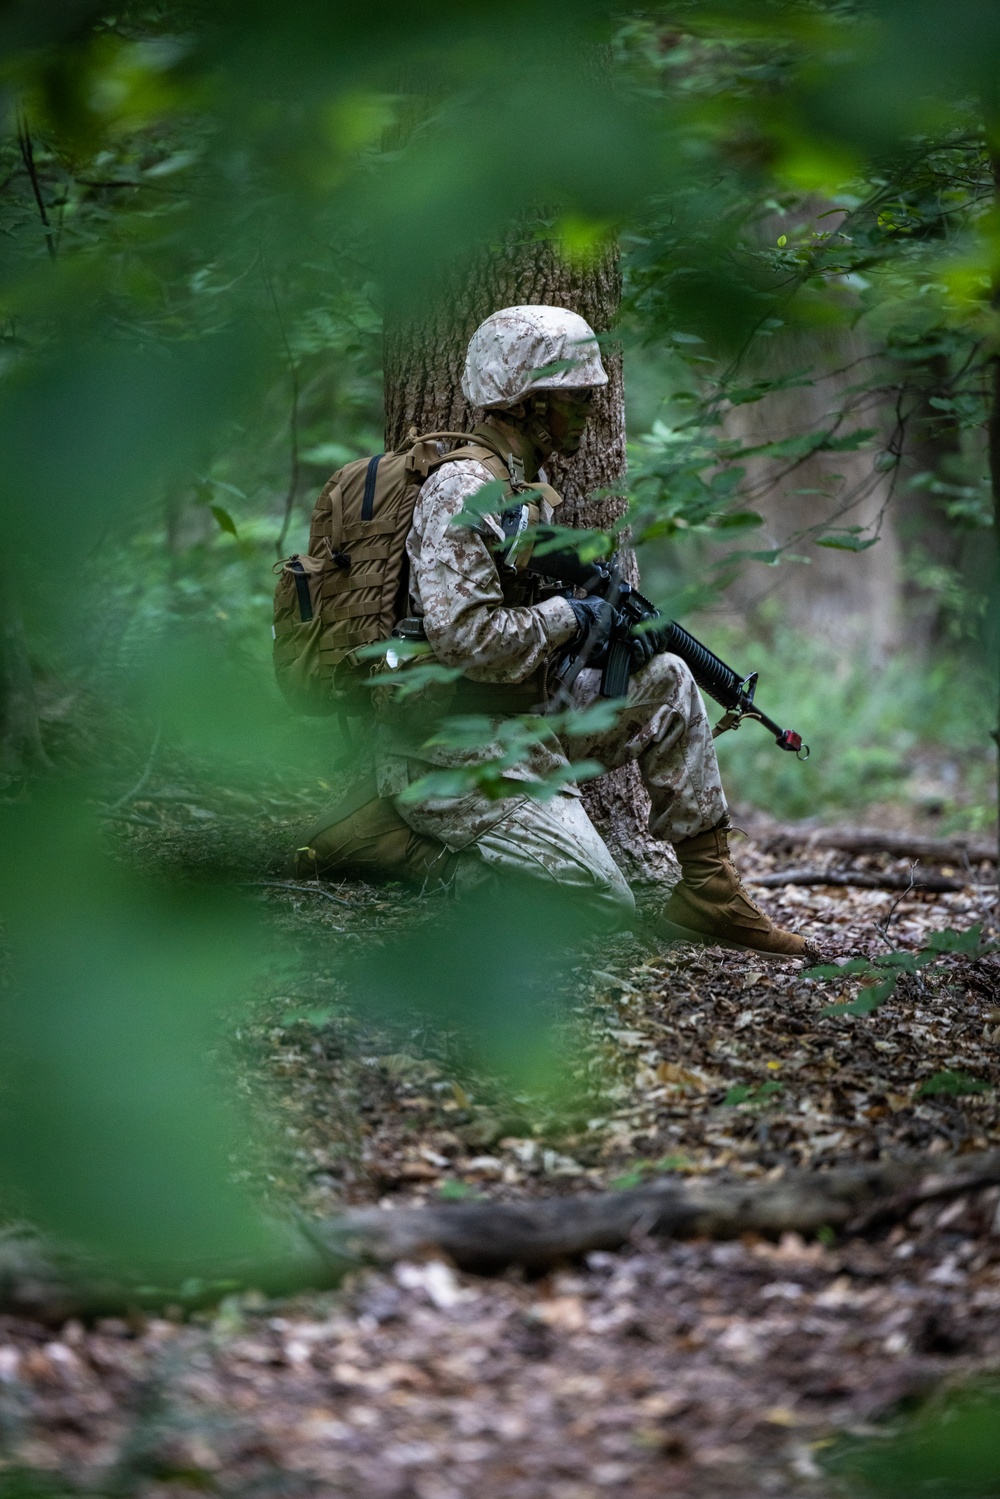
x,y
696,1369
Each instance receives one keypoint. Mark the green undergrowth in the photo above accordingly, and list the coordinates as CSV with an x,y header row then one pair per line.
x,y
907,730
880,977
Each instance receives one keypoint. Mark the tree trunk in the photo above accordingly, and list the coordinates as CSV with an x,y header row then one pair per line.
x,y
21,748
926,536
851,600
423,367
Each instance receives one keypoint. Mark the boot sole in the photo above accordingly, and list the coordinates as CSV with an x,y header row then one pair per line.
x,y
674,933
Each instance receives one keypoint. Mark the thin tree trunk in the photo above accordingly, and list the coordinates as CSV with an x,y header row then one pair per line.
x,y
994,452
423,369
993,444
923,528
21,748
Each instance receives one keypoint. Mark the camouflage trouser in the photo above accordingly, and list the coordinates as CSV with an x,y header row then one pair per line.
x,y
664,728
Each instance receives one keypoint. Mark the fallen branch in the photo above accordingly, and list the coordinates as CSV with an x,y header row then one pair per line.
x,y
540,1233
953,850
40,1281
860,879
141,822
50,1282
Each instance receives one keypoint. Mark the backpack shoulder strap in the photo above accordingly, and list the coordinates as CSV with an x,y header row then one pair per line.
x,y
479,454
424,454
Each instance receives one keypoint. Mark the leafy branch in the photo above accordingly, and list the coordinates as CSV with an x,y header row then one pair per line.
x,y
880,975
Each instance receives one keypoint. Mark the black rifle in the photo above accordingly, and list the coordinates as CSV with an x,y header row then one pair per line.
x,y
726,686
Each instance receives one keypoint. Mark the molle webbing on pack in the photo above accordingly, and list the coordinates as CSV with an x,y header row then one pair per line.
x,y
352,586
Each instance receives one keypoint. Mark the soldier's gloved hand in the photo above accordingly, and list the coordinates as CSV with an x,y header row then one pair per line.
x,y
644,646
594,617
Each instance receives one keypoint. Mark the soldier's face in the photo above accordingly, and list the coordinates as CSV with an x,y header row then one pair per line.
x,y
569,413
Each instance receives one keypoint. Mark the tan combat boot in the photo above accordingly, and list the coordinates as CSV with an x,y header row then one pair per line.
x,y
710,905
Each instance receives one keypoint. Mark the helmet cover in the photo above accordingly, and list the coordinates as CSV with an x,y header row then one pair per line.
x,y
506,352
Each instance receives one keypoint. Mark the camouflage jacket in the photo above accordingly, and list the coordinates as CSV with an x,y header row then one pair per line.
x,y
454,584
471,624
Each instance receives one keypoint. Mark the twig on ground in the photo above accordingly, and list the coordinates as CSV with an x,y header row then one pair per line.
x,y
299,890
883,927
141,783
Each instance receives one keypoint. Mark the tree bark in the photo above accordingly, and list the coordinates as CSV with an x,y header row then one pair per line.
x,y
424,358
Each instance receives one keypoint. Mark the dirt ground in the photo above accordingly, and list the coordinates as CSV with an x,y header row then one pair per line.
x,y
694,1369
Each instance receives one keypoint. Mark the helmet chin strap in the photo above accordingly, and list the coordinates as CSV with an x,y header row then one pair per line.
x,y
529,418
537,427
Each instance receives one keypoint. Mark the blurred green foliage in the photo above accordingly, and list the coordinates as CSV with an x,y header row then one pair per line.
x,y
948,1446
115,1136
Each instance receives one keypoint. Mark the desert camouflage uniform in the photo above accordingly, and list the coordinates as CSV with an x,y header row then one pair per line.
x,y
472,622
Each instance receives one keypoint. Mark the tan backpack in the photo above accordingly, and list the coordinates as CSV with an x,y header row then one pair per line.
x,y
351,588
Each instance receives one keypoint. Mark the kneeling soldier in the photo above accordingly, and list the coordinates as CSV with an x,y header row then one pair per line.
x,y
506,631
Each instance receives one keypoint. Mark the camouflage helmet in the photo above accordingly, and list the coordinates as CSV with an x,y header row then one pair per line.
x,y
510,353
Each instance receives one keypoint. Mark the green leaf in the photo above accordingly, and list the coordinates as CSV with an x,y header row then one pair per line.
x,y
906,962
838,970
225,520
951,1084
768,1090
951,941
738,1094
851,441
455,1191
675,1162
843,541
869,1000
629,1180
489,500
738,519
742,1093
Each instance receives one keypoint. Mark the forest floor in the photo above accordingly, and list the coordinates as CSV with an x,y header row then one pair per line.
x,y
696,1368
